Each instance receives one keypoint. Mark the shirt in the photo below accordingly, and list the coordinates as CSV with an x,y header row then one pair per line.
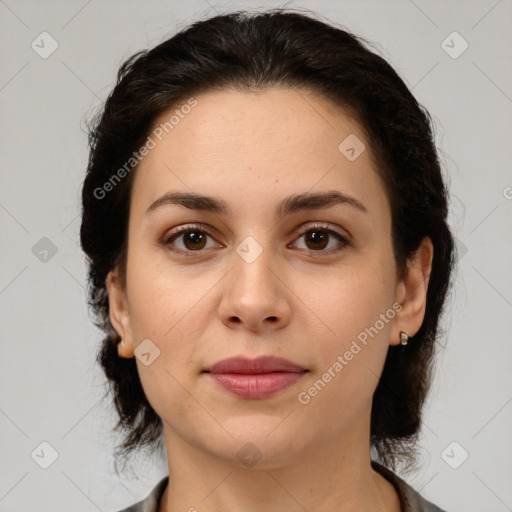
x,y
410,500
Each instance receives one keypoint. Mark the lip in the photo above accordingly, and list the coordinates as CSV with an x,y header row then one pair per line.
x,y
262,364
255,378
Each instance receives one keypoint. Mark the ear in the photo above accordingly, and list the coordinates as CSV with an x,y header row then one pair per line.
x,y
411,292
119,313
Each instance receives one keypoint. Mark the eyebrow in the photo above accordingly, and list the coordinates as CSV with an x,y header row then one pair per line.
x,y
292,204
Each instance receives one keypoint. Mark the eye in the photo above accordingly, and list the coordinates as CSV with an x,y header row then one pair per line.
x,y
193,238
318,237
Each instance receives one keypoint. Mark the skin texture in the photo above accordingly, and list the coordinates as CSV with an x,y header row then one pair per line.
x,y
294,301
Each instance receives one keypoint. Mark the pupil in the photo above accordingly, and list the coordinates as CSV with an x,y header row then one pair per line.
x,y
318,237
195,238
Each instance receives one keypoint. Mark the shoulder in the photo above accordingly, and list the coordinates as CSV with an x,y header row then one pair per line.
x,y
410,499
152,501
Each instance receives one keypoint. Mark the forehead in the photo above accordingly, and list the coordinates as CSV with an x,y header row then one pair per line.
x,y
254,145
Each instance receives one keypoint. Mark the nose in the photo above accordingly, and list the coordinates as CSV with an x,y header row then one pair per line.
x,y
255,297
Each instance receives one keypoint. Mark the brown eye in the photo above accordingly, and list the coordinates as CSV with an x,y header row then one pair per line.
x,y
194,240
316,239
188,239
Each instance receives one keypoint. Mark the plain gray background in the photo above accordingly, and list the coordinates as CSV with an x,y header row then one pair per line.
x,y
50,383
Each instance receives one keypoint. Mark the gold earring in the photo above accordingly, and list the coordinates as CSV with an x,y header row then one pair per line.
x,y
404,338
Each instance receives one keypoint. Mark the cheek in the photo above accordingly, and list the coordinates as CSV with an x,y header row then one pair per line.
x,y
172,308
168,308
355,309
353,299
163,298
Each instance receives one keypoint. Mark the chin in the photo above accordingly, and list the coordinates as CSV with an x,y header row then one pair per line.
x,y
259,442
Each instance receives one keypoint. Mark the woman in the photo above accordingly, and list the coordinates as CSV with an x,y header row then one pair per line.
x,y
266,224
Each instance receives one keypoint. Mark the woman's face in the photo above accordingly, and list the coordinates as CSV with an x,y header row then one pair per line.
x,y
274,273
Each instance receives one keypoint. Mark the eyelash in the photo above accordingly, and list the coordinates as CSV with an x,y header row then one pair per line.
x,y
198,227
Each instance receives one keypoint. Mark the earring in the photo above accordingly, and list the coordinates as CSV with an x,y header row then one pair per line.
x,y
404,338
121,343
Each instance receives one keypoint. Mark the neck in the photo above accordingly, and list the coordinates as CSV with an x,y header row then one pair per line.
x,y
320,478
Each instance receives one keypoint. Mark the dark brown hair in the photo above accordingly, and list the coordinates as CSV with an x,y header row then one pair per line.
x,y
254,51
